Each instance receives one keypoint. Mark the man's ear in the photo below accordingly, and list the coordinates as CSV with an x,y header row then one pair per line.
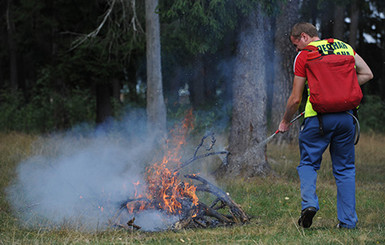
x,y
305,36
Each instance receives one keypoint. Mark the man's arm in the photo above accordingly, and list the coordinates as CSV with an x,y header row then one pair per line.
x,y
364,73
292,103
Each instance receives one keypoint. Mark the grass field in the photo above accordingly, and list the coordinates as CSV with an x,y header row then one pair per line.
x,y
273,202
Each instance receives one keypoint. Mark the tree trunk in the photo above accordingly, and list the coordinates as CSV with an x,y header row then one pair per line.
x,y
116,89
326,30
354,13
338,27
284,56
156,108
210,78
202,82
197,83
12,47
382,74
248,127
103,102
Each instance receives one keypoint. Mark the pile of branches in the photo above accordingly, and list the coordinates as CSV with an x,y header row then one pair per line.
x,y
223,211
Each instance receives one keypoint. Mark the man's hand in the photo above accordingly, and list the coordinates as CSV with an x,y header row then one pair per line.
x,y
284,126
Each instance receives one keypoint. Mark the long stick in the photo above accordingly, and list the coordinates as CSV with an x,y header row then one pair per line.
x,y
293,120
276,132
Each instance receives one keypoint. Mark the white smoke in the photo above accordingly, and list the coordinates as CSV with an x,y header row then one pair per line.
x,y
79,180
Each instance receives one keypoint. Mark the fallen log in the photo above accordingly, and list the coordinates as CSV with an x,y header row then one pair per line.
x,y
213,213
235,209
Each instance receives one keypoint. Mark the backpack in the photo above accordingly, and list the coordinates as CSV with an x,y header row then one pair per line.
x,y
332,80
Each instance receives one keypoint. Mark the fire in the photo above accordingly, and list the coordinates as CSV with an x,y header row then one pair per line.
x,y
164,189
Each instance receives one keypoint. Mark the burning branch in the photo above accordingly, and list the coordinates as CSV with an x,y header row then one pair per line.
x,y
130,223
168,196
192,212
195,157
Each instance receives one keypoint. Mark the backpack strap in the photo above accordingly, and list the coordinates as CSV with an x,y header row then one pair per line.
x,y
310,48
311,54
331,49
321,125
356,124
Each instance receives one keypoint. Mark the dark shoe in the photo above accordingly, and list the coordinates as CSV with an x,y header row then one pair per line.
x,y
342,225
306,218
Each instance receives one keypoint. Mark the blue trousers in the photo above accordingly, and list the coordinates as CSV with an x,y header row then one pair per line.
x,y
339,134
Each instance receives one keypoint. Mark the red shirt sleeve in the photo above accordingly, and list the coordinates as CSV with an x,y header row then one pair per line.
x,y
299,64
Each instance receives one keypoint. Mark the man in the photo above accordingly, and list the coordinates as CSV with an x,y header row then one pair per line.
x,y
338,132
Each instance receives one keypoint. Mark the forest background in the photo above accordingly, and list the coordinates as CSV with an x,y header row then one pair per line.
x,y
84,64
58,69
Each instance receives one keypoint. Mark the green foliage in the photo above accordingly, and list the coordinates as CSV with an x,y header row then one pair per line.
x,y
47,110
201,25
121,35
9,108
269,7
213,118
44,34
372,114
85,67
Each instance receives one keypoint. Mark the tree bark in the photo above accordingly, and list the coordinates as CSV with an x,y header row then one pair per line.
x,y
156,108
326,30
283,68
116,86
338,27
103,102
197,84
354,16
249,102
12,47
203,81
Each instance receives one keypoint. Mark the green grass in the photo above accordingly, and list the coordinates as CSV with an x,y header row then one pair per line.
x,y
273,202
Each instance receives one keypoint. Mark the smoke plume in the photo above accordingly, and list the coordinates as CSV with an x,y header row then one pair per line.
x,y
79,180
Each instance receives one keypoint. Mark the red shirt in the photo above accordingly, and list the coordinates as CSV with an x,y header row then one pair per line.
x,y
299,64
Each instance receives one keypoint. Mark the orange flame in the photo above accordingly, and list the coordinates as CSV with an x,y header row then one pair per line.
x,y
165,191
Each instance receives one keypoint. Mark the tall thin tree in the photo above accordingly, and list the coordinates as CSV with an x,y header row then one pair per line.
x,y
12,46
339,17
354,17
156,108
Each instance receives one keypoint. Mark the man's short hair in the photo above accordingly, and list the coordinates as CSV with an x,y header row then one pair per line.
x,y
305,27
